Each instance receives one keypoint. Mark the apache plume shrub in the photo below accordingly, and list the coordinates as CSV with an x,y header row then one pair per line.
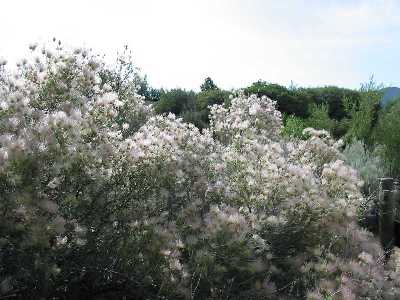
x,y
101,198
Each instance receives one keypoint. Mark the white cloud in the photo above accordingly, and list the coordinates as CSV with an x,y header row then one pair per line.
x,y
179,42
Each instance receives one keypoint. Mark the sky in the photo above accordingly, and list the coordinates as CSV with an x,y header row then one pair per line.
x,y
177,43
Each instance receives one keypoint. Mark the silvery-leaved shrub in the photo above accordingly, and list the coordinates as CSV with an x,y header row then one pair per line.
x,y
101,198
370,166
367,162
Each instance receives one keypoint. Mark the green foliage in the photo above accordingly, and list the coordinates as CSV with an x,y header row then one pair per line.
x,y
294,126
368,163
340,128
176,101
207,98
364,113
370,167
145,90
319,118
210,97
387,134
299,101
208,85
192,107
333,97
196,118
97,259
288,101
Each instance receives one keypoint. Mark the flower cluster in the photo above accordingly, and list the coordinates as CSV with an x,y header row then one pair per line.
x,y
250,117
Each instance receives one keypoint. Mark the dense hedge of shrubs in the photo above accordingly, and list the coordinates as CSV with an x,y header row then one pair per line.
x,y
102,198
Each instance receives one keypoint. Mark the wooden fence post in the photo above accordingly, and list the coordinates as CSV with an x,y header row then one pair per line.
x,y
386,214
396,202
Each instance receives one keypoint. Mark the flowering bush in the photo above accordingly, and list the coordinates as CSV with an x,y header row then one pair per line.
x,y
102,198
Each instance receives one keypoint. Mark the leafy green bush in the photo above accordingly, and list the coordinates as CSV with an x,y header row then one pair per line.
x,y
297,101
319,118
176,101
207,98
288,101
333,97
364,113
294,127
387,134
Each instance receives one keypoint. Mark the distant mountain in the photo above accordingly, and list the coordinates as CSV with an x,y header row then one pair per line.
x,y
390,94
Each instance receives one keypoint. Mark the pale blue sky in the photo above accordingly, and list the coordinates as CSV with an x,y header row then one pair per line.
x,y
236,42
